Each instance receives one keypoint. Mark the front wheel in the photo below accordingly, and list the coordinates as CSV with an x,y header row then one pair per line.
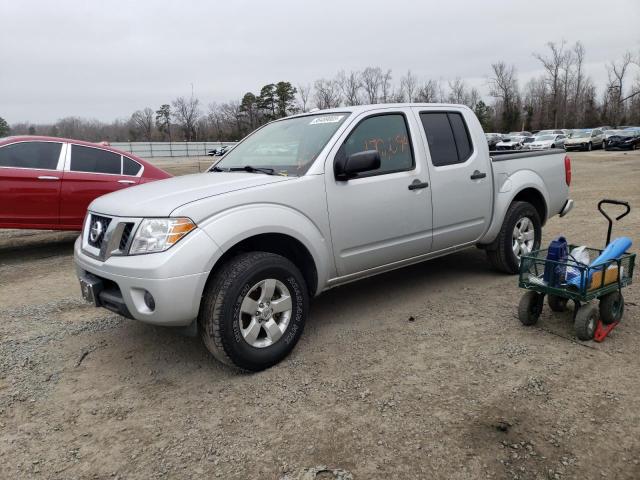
x,y
530,308
253,310
589,147
586,322
520,234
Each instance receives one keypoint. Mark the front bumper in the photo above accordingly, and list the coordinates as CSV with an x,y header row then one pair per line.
x,y
174,278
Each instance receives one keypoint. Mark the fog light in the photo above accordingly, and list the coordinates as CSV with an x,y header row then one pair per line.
x,y
149,301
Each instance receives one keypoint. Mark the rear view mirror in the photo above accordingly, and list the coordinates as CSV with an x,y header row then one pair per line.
x,y
348,167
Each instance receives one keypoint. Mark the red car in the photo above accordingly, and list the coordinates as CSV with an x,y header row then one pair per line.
x,y
48,182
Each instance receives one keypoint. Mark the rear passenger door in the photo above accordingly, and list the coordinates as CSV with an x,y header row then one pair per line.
x,y
30,173
461,177
89,173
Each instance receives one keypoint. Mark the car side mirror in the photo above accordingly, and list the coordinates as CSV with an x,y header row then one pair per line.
x,y
348,167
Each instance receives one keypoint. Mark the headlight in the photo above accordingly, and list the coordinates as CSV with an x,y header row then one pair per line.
x,y
159,234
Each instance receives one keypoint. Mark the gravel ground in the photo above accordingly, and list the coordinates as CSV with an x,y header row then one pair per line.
x,y
424,372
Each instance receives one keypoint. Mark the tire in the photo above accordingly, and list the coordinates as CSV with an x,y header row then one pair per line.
x,y
586,322
501,253
557,304
248,278
589,147
611,307
530,308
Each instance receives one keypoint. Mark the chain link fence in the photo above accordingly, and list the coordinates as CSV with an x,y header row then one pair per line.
x,y
169,149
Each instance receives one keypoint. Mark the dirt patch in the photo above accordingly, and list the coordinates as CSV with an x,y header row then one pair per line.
x,y
461,391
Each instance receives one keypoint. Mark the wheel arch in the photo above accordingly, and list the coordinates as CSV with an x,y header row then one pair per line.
x,y
280,244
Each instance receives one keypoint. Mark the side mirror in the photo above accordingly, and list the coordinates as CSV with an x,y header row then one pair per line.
x,y
348,167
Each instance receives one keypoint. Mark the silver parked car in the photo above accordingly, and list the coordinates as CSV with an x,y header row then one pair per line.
x,y
585,140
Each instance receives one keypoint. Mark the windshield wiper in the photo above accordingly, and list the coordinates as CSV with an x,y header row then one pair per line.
x,y
250,169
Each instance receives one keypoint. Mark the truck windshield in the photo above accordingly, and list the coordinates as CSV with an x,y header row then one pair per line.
x,y
284,147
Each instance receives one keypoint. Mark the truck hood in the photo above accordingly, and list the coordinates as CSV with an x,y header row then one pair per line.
x,y
159,199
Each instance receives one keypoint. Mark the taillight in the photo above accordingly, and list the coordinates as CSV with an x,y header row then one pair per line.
x,y
567,169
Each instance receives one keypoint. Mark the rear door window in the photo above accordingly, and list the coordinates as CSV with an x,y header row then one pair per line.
x,y
447,136
388,134
36,155
130,167
94,160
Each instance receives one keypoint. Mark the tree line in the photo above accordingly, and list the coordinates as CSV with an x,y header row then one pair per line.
x,y
564,96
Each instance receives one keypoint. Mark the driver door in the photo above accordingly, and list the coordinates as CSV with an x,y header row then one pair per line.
x,y
383,216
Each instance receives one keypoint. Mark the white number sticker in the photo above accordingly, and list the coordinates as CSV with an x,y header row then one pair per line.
x,y
326,119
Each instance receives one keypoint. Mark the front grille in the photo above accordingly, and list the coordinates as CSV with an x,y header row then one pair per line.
x,y
126,234
97,229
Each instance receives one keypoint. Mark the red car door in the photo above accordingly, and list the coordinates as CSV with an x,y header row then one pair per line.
x,y
89,173
30,179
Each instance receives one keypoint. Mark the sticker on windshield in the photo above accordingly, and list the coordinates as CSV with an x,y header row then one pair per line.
x,y
326,119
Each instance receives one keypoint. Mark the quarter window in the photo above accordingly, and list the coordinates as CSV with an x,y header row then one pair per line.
x,y
94,160
447,136
37,155
388,135
130,167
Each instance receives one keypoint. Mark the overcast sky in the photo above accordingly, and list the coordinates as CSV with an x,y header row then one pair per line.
x,y
105,60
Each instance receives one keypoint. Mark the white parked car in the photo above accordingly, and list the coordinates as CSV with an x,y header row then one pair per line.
x,y
543,142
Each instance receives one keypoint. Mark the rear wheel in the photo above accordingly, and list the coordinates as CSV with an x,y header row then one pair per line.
x,y
557,304
586,322
253,310
520,234
611,307
530,308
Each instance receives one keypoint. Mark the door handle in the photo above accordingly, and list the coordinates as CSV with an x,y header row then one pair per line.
x,y
128,182
48,177
417,184
478,174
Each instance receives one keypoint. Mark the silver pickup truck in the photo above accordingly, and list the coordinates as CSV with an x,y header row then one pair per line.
x,y
307,203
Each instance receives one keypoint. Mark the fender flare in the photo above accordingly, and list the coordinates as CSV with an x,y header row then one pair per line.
x,y
507,192
230,227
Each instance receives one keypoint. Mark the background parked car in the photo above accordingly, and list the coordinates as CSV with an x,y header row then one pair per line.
x,y
218,152
544,142
628,139
493,139
48,182
512,141
585,140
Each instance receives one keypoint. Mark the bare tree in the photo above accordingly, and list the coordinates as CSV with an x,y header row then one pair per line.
x,y
350,85
327,94
232,113
187,112
409,86
504,86
303,96
428,92
371,81
386,87
142,121
552,65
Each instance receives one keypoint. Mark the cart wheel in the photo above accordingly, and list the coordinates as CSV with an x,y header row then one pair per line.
x,y
611,307
530,308
586,322
557,304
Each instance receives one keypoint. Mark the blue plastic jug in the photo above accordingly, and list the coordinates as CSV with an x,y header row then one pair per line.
x,y
558,251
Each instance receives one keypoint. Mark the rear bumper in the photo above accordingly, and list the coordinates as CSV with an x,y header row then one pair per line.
x,y
568,205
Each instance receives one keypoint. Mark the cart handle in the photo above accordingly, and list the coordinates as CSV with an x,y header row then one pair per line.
x,y
612,202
